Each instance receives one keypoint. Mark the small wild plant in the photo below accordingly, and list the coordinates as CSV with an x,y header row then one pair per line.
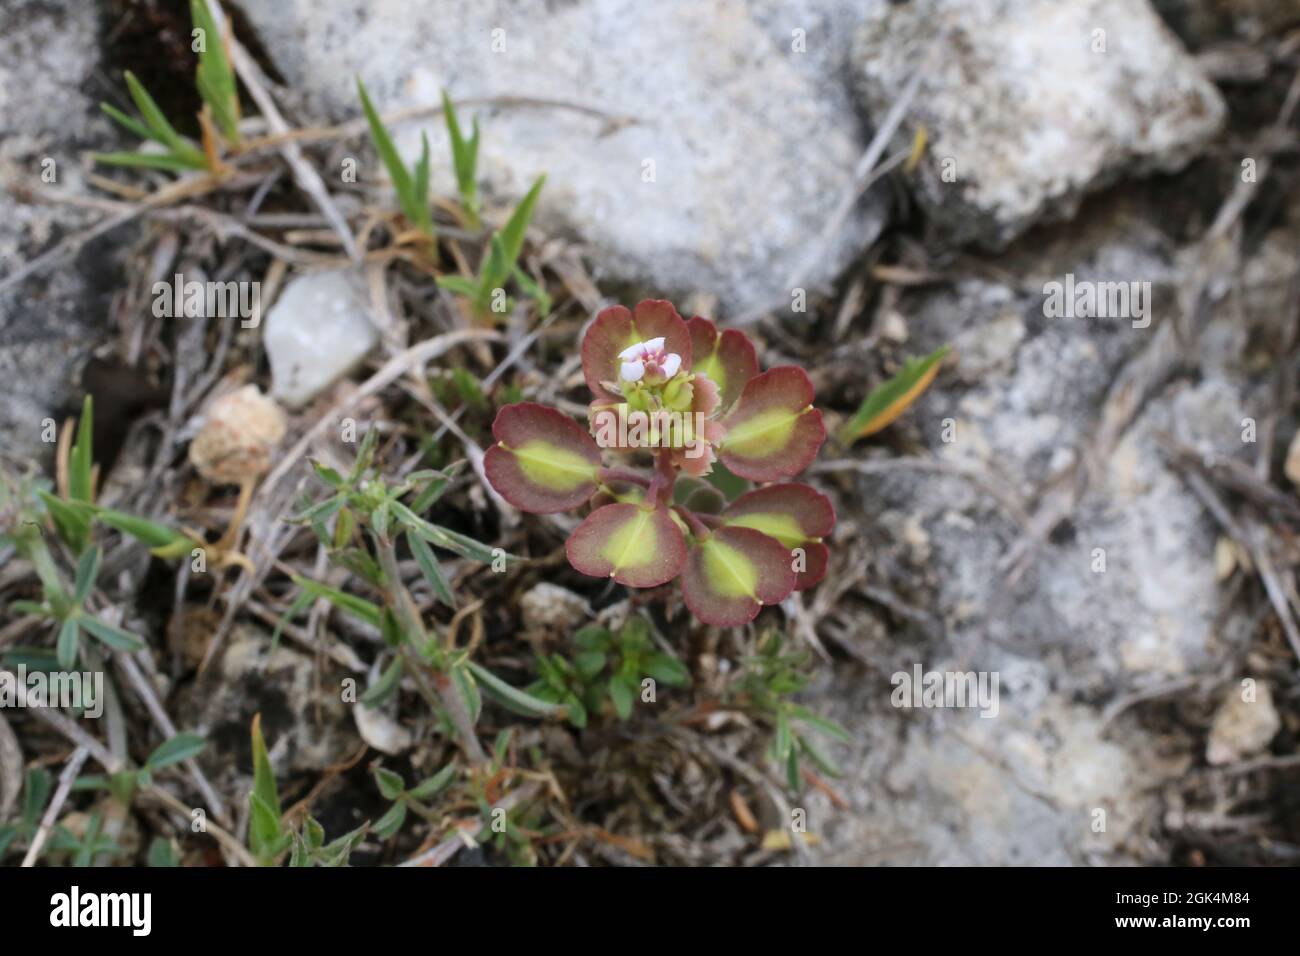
x,y
371,518
218,120
695,397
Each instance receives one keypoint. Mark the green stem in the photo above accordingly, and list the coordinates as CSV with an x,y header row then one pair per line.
x,y
409,616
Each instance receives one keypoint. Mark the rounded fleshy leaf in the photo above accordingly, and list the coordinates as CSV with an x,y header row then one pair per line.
x,y
728,359
543,460
732,573
617,328
635,545
794,514
773,431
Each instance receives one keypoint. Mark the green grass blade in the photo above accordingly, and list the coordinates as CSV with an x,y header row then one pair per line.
x,y
397,171
80,464
129,122
464,158
215,79
153,116
169,161
512,234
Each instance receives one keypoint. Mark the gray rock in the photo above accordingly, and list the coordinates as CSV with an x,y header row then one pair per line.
x,y
1024,111
751,145
1243,725
317,331
49,322
947,786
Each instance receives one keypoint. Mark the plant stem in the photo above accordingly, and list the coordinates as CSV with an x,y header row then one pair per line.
x,y
409,616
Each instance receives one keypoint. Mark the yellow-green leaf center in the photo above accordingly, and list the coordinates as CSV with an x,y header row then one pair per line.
x,y
730,573
765,433
633,544
553,467
782,527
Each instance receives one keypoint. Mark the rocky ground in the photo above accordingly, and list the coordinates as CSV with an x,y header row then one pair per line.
x,y
1096,509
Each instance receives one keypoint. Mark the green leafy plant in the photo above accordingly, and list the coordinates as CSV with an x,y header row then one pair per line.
x,y
464,160
370,520
22,521
765,689
37,787
25,506
393,787
486,291
692,396
124,784
412,186
268,836
220,116
887,401
608,666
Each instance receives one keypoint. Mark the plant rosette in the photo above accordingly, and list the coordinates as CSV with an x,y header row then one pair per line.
x,y
692,397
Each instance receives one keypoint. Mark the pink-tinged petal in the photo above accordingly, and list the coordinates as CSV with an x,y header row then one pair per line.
x,y
773,431
732,573
793,514
705,397
672,362
635,545
543,460
727,359
617,329
631,371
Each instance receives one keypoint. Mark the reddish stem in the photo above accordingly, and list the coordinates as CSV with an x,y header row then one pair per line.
x,y
665,477
624,474
697,525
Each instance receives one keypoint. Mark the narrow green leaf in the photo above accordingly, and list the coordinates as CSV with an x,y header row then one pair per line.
x,y
512,234
80,462
356,606
464,157
621,694
87,573
828,727
391,822
172,162
67,646
533,291
889,400
215,79
153,116
392,160
459,285
391,785
388,682
37,785
512,698
114,637
181,747
264,828
129,122
442,537
432,786
432,571
147,532
782,742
